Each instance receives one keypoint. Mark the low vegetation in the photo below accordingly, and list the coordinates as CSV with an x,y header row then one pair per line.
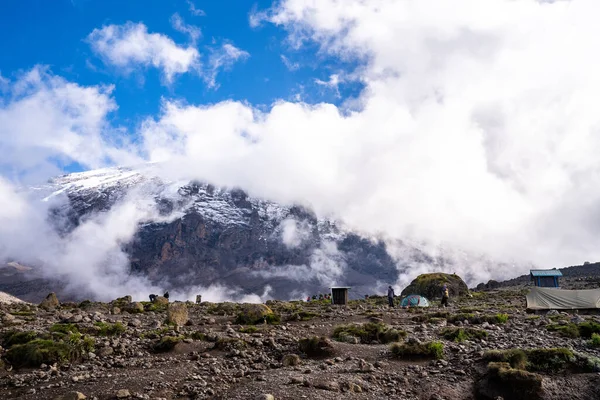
x,y
368,333
595,340
106,329
516,383
37,351
415,350
461,334
534,360
572,330
166,344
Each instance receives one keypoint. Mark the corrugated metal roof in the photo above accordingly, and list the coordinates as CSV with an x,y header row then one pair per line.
x,y
546,272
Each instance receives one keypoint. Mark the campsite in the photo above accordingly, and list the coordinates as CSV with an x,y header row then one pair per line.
x,y
513,342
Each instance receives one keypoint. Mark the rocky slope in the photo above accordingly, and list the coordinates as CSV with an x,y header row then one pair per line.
x,y
203,235
366,351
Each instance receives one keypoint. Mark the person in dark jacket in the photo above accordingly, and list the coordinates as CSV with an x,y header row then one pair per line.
x,y
166,295
391,295
445,296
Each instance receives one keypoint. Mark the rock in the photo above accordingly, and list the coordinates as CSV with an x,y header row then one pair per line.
x,y
71,396
123,394
76,318
160,300
265,397
290,360
136,323
177,313
135,308
252,314
430,285
364,366
50,302
332,386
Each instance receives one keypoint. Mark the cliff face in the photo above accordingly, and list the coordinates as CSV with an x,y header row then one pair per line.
x,y
205,235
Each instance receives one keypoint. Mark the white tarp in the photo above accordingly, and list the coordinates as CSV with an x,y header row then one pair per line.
x,y
540,298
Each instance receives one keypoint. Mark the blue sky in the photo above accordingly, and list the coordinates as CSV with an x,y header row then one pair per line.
x,y
54,33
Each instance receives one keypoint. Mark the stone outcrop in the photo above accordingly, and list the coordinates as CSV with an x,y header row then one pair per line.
x,y
50,302
177,313
430,285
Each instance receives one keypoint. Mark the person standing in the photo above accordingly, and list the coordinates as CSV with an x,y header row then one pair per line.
x,y
391,296
445,295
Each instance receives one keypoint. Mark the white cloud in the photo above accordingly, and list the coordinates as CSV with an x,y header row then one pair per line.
x,y
192,31
294,233
223,58
45,119
130,46
476,130
292,66
195,11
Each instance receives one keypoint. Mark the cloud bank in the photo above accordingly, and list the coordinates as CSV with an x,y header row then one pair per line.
x,y
476,129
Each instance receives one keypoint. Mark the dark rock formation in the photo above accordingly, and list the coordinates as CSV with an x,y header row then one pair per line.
x,y
430,285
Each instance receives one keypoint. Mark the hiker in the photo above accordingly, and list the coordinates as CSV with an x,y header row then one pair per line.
x,y
166,295
445,296
153,297
391,296
307,299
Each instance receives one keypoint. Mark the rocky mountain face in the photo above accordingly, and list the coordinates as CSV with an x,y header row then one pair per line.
x,y
205,235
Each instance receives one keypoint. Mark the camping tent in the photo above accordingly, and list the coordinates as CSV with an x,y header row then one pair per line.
x,y
414,300
558,299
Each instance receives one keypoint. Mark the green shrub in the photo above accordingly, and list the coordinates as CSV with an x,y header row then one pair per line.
x,y
369,332
516,358
501,318
166,343
536,360
549,360
568,330
461,334
45,351
316,347
249,329
106,329
415,350
595,341
515,383
64,328
12,338
198,336
588,328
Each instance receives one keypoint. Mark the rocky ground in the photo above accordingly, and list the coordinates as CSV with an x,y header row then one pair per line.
x,y
295,350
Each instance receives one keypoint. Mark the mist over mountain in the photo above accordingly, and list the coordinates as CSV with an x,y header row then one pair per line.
x,y
118,230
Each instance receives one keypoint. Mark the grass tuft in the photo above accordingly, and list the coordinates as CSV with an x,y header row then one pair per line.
x,y
415,350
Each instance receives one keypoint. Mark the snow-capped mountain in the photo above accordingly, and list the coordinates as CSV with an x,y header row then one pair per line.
x,y
200,234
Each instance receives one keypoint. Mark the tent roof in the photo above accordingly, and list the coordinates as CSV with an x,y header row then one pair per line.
x,y
546,272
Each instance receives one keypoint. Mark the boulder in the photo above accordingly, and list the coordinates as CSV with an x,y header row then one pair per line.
x,y
50,302
160,300
177,314
252,314
430,285
135,308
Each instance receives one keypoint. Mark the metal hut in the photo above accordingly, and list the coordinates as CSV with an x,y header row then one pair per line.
x,y
339,295
545,277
